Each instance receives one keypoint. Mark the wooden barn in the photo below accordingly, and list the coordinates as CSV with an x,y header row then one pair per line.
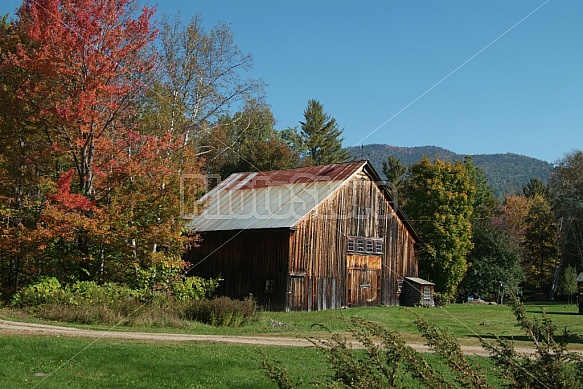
x,y
312,238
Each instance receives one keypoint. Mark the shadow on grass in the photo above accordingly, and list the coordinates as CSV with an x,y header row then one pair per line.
x,y
575,339
563,313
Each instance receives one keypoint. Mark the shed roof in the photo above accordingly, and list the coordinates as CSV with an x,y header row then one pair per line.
x,y
419,281
275,199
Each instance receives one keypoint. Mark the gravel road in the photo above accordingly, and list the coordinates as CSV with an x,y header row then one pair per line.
x,y
8,328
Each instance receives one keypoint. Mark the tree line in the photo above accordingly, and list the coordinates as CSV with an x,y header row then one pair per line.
x,y
475,244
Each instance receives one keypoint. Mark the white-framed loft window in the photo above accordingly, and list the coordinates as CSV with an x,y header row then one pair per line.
x,y
360,245
378,246
364,245
350,244
369,245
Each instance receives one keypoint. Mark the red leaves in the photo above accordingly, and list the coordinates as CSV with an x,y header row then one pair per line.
x,y
83,58
68,200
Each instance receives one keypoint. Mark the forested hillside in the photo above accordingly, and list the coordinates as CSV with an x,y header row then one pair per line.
x,y
506,173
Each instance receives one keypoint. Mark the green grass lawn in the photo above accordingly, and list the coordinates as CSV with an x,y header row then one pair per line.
x,y
127,364
90,363
466,322
70,363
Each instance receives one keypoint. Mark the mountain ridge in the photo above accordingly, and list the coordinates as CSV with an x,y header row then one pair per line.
x,y
507,173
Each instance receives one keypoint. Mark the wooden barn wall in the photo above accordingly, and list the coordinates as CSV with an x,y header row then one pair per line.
x,y
245,261
318,249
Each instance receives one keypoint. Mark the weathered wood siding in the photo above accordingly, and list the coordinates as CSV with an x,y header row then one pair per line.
x,y
318,250
363,279
246,260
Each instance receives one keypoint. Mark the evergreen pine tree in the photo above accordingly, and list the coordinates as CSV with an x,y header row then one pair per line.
x,y
321,136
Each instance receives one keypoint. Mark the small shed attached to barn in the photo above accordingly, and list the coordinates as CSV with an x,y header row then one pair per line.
x,y
417,292
304,239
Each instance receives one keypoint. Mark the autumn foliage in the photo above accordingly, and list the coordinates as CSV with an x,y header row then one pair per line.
x,y
86,192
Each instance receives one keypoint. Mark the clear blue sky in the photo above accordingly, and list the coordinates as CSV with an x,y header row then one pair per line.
x,y
389,71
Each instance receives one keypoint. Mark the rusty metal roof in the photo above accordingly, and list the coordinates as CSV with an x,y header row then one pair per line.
x,y
311,174
273,199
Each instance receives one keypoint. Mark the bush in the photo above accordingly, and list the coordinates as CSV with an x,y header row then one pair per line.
x,y
46,290
169,279
440,299
386,360
87,302
193,288
221,311
90,293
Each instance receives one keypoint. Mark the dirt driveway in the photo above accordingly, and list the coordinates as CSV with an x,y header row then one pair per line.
x,y
8,328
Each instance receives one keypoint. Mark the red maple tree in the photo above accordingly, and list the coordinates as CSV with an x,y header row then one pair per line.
x,y
111,191
84,63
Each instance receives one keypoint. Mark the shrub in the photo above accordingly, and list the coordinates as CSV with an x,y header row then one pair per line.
x,y
221,311
90,293
169,278
440,299
46,290
386,359
553,365
193,288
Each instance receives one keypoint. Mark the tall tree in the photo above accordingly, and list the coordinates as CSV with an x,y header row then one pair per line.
x,y
247,141
536,187
440,203
495,256
540,245
514,213
200,77
106,192
321,136
84,62
568,282
27,159
566,186
395,172
494,261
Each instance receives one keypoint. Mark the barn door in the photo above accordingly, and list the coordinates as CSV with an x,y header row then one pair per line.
x,y
363,280
296,292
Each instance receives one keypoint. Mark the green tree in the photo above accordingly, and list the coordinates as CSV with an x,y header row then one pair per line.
x,y
440,203
321,136
566,186
536,187
540,245
494,260
568,282
247,141
495,256
395,172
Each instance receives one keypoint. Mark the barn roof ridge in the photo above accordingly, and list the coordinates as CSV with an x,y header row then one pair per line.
x,y
307,174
